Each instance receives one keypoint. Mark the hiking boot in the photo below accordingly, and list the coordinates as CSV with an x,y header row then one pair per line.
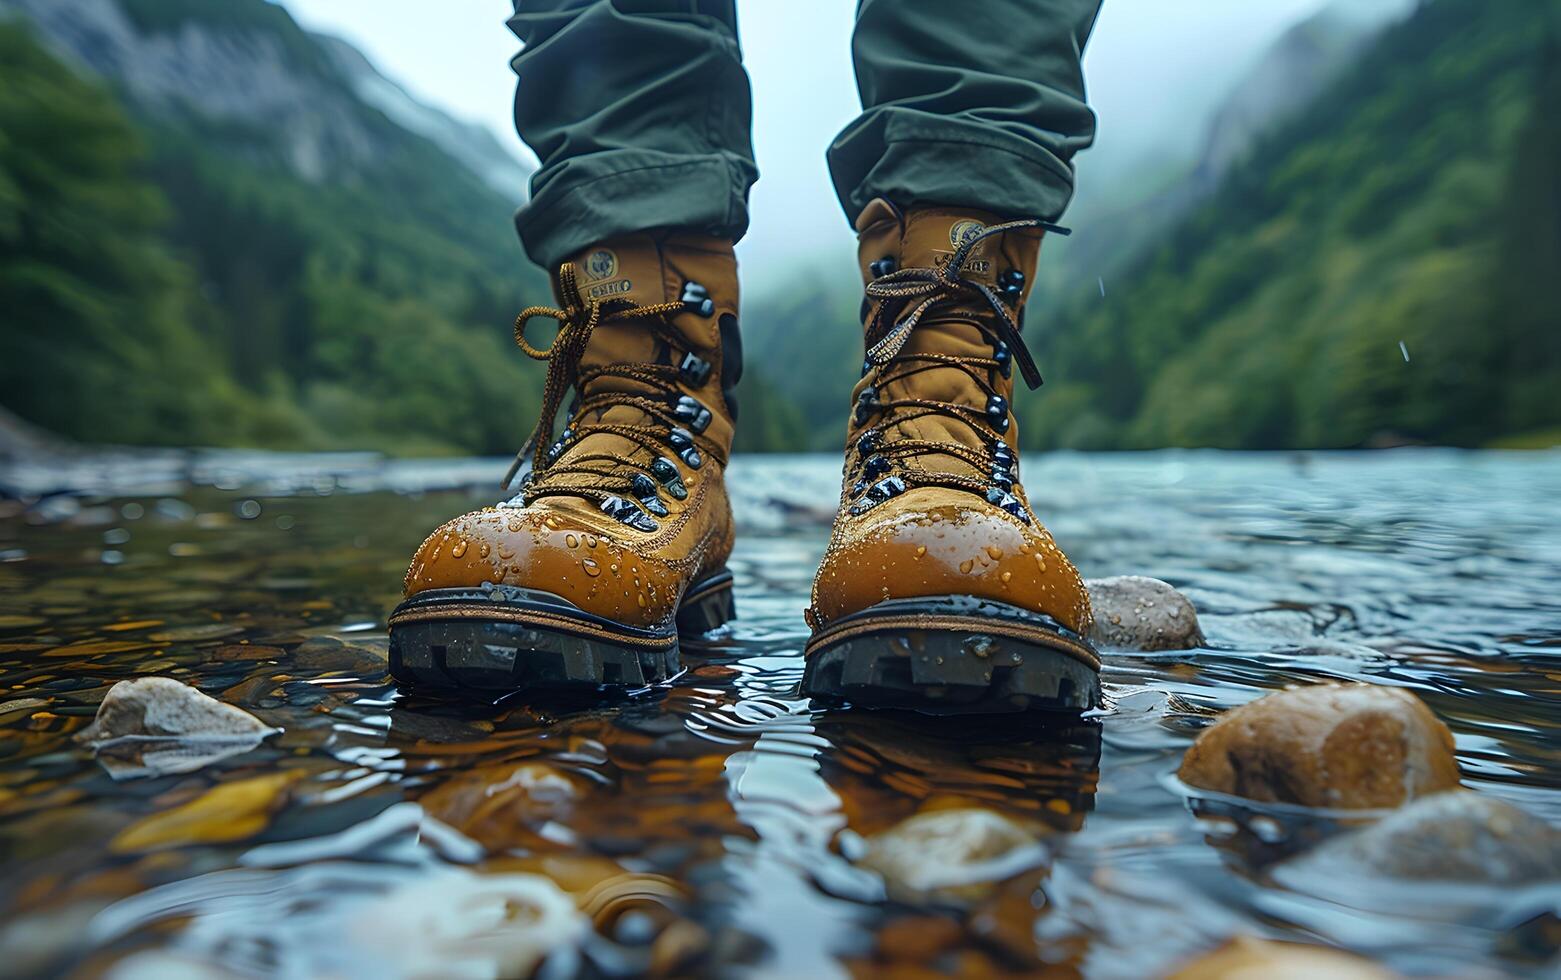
x,y
617,540
940,589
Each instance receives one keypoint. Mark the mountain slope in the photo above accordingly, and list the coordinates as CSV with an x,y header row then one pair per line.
x,y
354,279
810,327
1391,210
96,305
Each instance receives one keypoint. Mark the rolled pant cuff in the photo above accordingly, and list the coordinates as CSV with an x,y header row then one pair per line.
x,y
1010,177
646,191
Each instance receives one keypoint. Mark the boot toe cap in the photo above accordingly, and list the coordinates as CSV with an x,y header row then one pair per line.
x,y
550,553
921,545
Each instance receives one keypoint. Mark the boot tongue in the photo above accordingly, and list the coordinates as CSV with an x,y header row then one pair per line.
x,y
932,235
929,239
627,270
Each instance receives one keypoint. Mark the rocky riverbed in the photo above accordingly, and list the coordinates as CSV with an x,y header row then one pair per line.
x,y
327,824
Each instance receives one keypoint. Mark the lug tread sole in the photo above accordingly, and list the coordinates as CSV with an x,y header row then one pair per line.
x,y
943,662
498,647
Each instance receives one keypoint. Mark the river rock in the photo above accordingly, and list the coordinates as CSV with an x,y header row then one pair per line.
x,y
1332,745
951,855
1134,612
500,805
454,923
1455,836
360,657
1247,958
157,726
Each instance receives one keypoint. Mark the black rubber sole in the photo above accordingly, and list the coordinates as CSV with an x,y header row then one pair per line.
x,y
501,639
952,655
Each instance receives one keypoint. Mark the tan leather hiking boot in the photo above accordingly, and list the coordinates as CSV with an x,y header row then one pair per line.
x,y
618,538
940,589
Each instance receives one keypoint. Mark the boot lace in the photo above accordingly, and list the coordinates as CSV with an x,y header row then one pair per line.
x,y
607,477
906,298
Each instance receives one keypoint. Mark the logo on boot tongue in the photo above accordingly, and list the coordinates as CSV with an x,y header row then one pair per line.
x,y
961,233
964,231
599,265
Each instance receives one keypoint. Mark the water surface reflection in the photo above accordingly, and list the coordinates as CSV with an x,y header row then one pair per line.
x,y
720,821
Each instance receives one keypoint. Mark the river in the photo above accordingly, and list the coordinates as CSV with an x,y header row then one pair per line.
x,y
710,826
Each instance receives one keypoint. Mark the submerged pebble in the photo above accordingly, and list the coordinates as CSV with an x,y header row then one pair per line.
x,y
1455,836
951,855
1134,612
453,923
1332,745
1249,958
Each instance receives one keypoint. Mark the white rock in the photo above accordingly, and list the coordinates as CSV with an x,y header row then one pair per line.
x,y
458,924
157,726
951,854
1134,612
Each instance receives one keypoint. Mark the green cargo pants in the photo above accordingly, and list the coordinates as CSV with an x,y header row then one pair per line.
x,y
639,111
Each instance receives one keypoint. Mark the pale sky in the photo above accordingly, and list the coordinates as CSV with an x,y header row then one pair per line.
x,y
1151,65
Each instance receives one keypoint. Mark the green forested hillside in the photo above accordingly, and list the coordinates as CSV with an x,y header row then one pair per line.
x,y
1416,201
168,278
172,276
99,337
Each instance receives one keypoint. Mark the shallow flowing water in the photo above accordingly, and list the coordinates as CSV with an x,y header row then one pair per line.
x,y
712,826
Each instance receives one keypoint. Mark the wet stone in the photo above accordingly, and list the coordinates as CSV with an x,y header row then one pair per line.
x,y
1348,746
953,855
156,725
322,653
1457,835
1134,612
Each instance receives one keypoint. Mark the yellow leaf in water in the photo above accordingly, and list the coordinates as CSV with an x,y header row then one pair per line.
x,y
226,812
139,624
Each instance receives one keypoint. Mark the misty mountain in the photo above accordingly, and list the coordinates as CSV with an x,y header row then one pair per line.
x,y
472,144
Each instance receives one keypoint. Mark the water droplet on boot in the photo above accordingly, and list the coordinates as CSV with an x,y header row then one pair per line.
x,y
1040,562
591,568
459,549
482,552
571,541
965,566
995,552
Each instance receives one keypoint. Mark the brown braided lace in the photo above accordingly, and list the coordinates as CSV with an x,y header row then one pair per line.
x,y
577,321
908,297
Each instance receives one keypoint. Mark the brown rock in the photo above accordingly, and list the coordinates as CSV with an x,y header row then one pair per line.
x,y
1246,958
1333,745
